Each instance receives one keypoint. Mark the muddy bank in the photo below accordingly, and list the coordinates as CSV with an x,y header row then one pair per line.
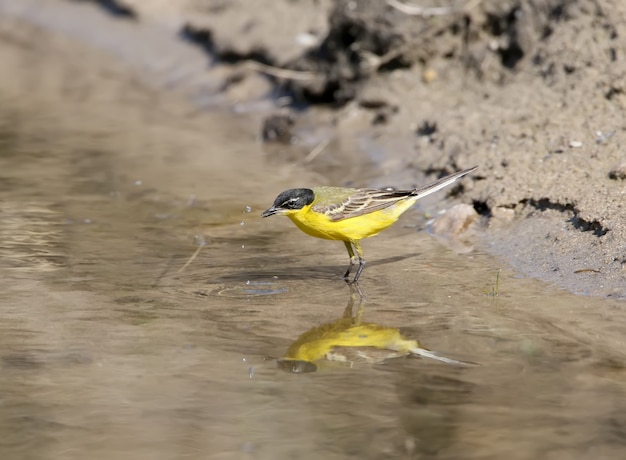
x,y
531,92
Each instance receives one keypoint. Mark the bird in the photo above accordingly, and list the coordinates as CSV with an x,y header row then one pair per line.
x,y
350,214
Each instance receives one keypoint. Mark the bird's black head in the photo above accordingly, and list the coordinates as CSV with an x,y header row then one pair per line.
x,y
292,199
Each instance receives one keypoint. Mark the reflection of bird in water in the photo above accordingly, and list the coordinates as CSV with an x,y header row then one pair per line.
x,y
349,340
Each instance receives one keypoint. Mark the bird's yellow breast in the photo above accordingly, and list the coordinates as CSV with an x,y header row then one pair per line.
x,y
352,229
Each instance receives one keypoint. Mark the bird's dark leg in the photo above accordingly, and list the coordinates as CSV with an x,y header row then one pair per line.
x,y
353,259
361,257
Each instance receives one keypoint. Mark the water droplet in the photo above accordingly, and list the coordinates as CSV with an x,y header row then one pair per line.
x,y
247,209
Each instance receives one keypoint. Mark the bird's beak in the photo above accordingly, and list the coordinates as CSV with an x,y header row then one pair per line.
x,y
270,212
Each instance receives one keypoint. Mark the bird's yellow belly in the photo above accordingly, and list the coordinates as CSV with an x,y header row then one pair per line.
x,y
353,229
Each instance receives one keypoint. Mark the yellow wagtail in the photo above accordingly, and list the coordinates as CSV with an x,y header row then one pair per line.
x,y
349,214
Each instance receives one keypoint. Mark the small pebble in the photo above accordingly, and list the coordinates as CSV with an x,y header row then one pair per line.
x,y
307,40
429,75
500,212
603,137
618,172
575,144
455,221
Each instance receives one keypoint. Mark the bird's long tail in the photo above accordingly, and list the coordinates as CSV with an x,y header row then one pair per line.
x,y
441,183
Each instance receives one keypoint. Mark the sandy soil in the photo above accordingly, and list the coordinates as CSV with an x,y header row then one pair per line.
x,y
532,92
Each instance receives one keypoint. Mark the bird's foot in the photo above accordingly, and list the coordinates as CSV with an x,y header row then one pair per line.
x,y
355,280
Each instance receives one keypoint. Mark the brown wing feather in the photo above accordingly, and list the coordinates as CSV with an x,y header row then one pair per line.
x,y
364,201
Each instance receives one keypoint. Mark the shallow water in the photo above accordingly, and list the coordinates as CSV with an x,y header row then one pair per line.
x,y
107,350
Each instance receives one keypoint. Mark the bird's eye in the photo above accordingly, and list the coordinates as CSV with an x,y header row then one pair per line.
x,y
292,202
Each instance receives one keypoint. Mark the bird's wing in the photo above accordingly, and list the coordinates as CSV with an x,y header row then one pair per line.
x,y
357,202
362,201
